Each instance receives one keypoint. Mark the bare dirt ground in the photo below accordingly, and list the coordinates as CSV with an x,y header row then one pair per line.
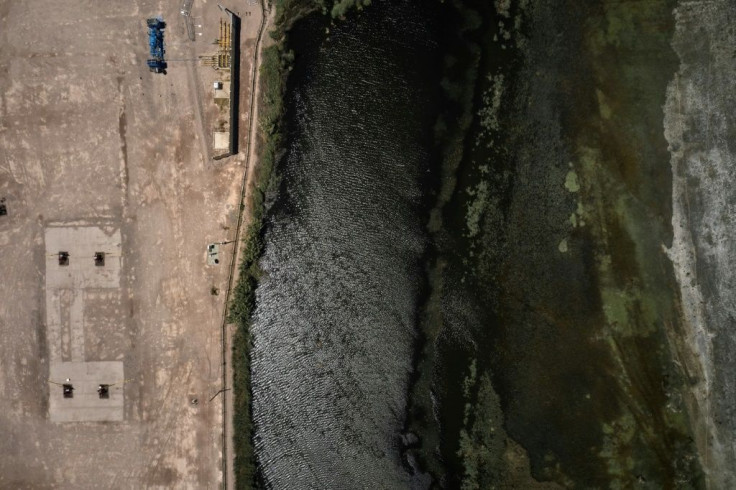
x,y
89,137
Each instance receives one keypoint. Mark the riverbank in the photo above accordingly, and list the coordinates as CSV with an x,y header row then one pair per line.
x,y
266,137
259,184
699,130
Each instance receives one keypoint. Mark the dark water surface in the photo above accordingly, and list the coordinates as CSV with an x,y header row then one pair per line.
x,y
335,320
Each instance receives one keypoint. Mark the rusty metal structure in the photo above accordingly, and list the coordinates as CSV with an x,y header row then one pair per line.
x,y
221,60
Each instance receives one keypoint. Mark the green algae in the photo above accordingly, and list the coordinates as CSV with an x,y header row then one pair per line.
x,y
603,105
624,203
482,440
476,207
617,449
571,182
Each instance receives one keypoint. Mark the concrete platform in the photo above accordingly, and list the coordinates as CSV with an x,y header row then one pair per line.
x,y
213,254
86,404
82,242
68,286
222,140
224,92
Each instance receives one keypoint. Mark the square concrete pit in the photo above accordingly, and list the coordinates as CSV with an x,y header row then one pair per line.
x,y
223,92
222,140
213,254
86,404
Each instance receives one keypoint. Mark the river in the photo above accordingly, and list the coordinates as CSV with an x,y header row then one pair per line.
x,y
335,320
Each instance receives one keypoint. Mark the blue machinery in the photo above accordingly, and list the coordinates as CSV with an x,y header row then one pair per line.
x,y
156,26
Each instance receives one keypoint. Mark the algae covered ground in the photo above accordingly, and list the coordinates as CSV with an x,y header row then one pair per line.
x,y
554,321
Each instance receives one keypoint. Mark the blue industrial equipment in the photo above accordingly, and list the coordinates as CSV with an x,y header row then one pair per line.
x,y
156,26
157,66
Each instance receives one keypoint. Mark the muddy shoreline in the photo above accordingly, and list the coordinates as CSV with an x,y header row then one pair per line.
x,y
699,125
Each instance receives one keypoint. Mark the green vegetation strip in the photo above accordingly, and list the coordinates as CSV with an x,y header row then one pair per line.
x,y
243,300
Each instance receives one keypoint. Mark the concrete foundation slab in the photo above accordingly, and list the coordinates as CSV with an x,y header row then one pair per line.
x,y
223,92
86,405
81,243
222,140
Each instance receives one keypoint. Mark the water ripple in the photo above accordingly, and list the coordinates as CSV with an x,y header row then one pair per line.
x,y
334,323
